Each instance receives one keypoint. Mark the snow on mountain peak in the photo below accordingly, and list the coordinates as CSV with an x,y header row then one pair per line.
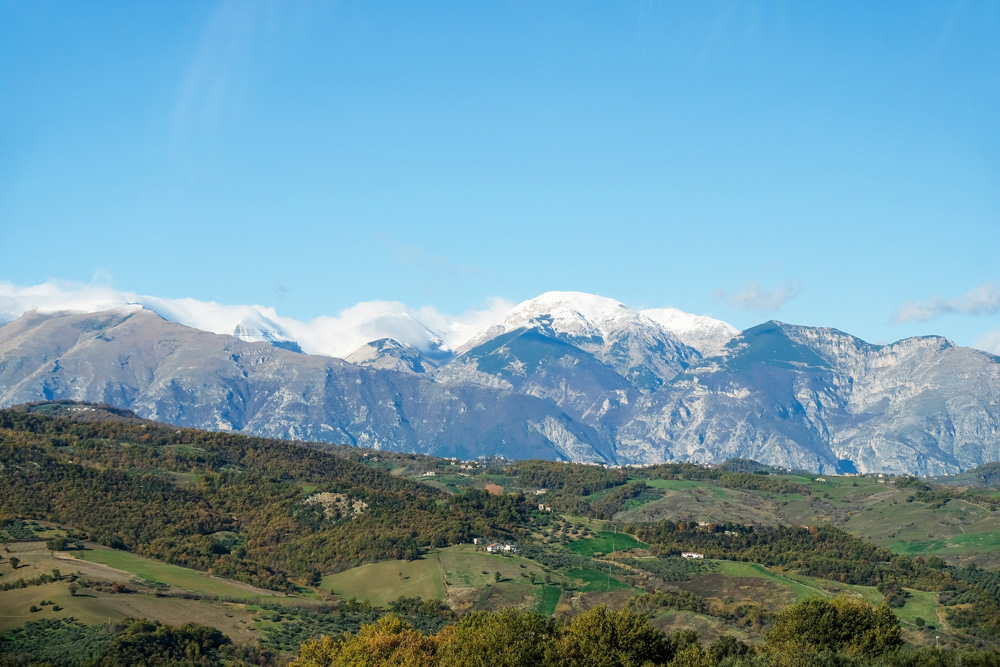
x,y
703,333
576,314
585,315
571,312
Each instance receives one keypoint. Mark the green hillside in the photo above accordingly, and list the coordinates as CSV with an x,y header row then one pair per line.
x,y
273,543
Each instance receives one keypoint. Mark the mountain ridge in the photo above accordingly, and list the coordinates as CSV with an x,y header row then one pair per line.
x,y
604,385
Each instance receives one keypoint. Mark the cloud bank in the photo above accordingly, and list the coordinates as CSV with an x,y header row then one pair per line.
x,y
982,300
424,328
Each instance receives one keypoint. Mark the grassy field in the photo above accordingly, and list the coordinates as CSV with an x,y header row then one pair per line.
x,y
548,598
589,581
605,542
799,589
594,525
381,583
920,604
171,575
684,485
92,608
463,566
441,575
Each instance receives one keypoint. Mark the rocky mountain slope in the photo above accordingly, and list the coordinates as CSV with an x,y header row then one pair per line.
x,y
561,376
132,358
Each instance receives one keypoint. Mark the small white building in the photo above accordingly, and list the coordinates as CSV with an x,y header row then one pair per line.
x,y
497,548
691,554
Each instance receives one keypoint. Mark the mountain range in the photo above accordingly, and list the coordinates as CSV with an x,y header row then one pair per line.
x,y
562,376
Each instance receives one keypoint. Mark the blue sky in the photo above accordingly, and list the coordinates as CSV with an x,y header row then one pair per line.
x,y
833,164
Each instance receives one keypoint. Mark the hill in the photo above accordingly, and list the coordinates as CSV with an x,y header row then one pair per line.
x,y
135,516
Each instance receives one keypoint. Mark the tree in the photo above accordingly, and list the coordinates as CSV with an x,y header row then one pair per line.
x,y
389,642
725,646
815,625
603,638
14,562
56,544
507,638
148,643
497,577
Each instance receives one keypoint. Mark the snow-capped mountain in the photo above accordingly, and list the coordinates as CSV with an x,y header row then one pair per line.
x,y
565,375
633,345
703,333
426,330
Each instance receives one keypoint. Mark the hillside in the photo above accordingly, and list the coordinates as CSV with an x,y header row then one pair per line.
x,y
302,542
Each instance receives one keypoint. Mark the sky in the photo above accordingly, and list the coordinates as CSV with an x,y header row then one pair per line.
x,y
825,164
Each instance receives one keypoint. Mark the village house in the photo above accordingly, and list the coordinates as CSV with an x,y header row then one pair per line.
x,y
497,548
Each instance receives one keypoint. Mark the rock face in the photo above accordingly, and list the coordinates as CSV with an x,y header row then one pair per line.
x,y
164,371
826,401
562,376
389,355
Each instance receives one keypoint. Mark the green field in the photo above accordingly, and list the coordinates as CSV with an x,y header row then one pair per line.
x,y
800,586
381,583
465,567
548,598
170,575
921,604
605,542
966,543
432,577
596,581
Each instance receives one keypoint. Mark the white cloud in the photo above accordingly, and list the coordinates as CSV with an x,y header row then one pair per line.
x,y
755,298
337,336
982,300
989,342
58,296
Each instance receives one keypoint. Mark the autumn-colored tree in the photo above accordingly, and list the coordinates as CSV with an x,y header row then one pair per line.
x,y
603,638
507,638
390,642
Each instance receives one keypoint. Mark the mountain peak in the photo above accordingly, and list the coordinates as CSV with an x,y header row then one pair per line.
x,y
705,334
573,314
572,310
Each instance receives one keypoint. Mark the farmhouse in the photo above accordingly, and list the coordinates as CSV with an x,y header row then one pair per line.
x,y
497,548
691,554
